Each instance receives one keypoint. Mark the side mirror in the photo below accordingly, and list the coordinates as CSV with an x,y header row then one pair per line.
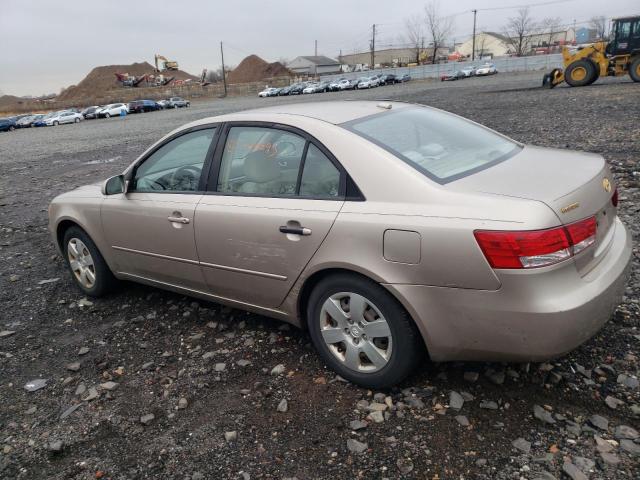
x,y
114,185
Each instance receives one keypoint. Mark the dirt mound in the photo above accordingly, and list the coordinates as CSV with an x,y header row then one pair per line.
x,y
253,69
103,78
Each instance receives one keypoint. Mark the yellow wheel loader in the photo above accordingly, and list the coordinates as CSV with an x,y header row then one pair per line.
x,y
615,58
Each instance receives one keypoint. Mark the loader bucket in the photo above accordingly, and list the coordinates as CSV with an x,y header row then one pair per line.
x,y
553,78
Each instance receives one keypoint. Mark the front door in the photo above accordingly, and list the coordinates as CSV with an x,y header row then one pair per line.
x,y
276,197
151,227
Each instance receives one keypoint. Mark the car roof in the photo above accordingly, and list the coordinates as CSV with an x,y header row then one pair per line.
x,y
334,112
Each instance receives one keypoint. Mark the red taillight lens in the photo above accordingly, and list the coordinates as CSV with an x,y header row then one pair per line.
x,y
614,198
535,248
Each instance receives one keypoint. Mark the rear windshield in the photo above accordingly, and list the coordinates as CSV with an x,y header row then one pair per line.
x,y
442,146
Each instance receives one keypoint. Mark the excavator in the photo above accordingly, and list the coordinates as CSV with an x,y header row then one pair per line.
x,y
585,65
166,64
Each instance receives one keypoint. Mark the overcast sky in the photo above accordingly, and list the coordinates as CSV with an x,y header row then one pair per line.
x,y
48,45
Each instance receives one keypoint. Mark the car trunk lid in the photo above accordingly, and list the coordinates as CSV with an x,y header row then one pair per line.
x,y
575,185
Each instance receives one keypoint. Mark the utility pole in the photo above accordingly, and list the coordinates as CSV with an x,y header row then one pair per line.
x,y
373,46
316,49
224,76
473,42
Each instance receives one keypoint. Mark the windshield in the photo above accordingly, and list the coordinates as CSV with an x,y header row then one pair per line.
x,y
442,146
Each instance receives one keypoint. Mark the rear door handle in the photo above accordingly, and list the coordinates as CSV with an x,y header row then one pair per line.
x,y
295,230
182,220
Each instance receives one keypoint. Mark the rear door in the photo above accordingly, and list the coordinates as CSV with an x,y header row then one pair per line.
x,y
151,227
275,195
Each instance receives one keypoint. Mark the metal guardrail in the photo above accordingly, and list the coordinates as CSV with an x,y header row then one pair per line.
x,y
504,64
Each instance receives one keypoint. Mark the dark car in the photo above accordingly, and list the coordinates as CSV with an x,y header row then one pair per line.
x,y
323,86
28,121
285,91
404,78
297,88
450,77
389,79
7,124
90,112
177,102
141,106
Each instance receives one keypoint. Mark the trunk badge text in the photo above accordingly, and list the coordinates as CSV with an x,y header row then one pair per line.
x,y
568,208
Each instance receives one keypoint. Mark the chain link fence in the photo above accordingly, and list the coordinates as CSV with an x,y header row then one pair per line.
x,y
504,64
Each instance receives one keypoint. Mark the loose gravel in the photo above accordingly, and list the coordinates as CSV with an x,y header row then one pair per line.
x,y
150,384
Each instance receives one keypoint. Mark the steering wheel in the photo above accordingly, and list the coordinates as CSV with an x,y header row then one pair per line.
x,y
186,176
285,148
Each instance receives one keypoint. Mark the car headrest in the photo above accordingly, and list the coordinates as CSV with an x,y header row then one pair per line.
x,y
258,167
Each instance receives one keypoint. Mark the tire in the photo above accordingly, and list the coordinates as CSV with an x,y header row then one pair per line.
x,y
188,104
77,120
11,128
104,281
56,123
394,363
634,69
580,73
107,115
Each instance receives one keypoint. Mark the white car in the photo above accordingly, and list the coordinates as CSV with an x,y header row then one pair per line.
x,y
268,92
366,82
487,69
113,110
469,71
64,116
311,88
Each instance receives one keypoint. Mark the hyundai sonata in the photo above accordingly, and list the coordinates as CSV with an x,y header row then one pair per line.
x,y
384,229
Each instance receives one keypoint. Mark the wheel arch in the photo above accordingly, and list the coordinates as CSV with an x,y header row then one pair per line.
x,y
316,277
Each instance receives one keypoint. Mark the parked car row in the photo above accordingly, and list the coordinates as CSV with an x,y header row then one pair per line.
x,y
335,85
471,71
74,115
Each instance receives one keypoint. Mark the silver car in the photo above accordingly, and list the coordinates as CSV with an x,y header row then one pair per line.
x,y
387,230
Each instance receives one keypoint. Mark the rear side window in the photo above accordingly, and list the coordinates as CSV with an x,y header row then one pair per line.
x,y
442,146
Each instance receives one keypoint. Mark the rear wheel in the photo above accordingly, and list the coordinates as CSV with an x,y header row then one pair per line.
x,y
361,331
580,73
77,120
56,123
88,268
634,69
107,115
11,128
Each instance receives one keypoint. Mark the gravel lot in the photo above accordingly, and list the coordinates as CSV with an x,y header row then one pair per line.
x,y
150,384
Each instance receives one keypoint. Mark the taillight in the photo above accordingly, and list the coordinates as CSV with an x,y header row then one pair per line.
x,y
536,248
614,198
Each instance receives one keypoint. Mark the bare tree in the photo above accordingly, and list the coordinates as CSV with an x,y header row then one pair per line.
x,y
518,31
438,27
599,24
414,35
549,26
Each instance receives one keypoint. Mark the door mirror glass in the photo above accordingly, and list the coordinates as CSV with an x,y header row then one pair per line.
x,y
113,185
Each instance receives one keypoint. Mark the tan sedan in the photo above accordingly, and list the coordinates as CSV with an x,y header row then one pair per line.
x,y
385,229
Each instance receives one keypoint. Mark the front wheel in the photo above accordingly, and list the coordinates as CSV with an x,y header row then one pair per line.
x,y
362,332
88,268
580,73
77,120
56,123
107,115
634,70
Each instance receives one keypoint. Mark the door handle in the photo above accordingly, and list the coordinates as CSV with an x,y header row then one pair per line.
x,y
295,230
182,220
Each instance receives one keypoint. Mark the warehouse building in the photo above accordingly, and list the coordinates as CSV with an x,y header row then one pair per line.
x,y
314,65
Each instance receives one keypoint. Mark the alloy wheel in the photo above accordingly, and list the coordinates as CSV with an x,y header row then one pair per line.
x,y
356,332
81,263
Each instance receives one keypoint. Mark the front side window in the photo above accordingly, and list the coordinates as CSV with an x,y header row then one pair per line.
x,y
176,166
260,160
442,146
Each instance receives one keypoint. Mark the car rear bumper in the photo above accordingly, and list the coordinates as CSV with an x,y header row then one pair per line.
x,y
532,317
